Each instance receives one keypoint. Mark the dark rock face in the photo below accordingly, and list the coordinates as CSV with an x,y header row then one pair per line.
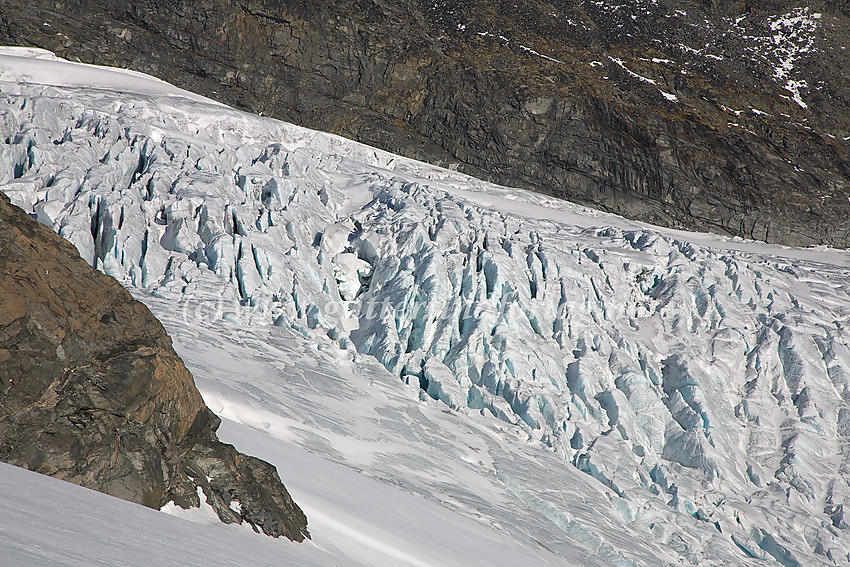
x,y
724,116
91,391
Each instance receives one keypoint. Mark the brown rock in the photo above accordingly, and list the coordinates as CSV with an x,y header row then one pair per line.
x,y
91,391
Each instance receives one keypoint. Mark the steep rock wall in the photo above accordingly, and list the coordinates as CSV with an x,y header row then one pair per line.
x,y
725,117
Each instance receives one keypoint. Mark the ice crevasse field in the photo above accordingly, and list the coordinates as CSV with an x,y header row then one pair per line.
x,y
444,371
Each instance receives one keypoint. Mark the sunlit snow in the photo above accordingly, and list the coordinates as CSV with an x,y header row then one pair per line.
x,y
791,37
446,371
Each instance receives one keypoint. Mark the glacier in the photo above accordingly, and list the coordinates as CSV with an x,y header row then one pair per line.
x,y
618,393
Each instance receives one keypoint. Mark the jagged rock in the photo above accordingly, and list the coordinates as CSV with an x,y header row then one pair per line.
x,y
721,116
93,392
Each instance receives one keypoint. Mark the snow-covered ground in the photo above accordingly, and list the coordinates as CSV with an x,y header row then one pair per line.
x,y
445,372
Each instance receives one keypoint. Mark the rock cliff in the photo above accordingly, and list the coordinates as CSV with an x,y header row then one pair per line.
x,y
725,116
93,392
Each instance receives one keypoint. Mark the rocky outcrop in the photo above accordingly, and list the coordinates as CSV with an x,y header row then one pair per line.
x,y
91,391
722,116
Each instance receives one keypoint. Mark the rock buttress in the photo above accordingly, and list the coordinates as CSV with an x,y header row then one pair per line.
x,y
91,391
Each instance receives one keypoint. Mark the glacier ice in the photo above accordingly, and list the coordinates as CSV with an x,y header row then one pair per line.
x,y
706,388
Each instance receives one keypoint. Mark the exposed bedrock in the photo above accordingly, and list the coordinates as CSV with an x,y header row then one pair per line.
x,y
726,117
93,392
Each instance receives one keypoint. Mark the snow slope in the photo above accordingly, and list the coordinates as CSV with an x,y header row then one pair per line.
x,y
45,521
446,371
